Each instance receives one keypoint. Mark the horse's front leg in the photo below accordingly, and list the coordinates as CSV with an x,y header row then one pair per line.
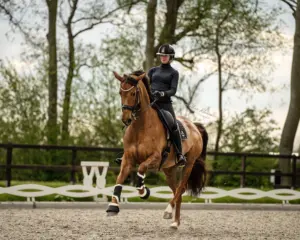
x,y
113,207
152,162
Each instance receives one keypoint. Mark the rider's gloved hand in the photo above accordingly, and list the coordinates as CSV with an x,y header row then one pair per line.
x,y
158,94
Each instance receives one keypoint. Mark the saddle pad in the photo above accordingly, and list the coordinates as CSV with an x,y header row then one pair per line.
x,y
182,130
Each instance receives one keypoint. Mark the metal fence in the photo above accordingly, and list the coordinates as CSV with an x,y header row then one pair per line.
x,y
74,166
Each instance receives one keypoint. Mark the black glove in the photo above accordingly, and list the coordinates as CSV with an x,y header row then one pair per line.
x,y
158,94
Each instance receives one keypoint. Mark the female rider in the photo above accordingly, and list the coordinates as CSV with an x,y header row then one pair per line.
x,y
164,82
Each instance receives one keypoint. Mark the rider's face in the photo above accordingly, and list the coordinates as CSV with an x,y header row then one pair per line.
x,y
164,59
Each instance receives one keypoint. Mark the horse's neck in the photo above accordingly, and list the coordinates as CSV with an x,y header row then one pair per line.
x,y
147,113
146,118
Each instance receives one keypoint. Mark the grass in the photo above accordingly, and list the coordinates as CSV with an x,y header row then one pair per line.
x,y
187,199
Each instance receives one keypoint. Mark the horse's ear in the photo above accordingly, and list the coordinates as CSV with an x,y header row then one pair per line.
x,y
117,76
141,76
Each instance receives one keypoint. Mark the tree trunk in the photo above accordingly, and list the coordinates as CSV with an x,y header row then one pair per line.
x,y
150,51
70,76
220,92
168,32
220,99
293,116
52,130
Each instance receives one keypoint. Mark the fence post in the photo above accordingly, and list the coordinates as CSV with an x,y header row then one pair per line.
x,y
8,164
243,175
294,180
74,153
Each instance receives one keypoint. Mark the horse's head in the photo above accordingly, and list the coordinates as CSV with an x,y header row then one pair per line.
x,y
130,96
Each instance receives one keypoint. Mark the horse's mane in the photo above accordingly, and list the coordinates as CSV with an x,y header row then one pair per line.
x,y
145,80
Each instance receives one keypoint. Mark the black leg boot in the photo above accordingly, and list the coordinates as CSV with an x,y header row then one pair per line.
x,y
181,160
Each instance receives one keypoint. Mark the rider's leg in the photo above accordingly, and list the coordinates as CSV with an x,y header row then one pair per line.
x,y
175,134
177,141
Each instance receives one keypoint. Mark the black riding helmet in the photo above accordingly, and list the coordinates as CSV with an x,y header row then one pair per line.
x,y
166,49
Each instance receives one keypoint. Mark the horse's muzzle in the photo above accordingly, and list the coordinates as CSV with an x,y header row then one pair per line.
x,y
127,122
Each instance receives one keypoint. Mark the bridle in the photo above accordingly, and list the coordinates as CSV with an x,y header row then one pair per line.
x,y
136,107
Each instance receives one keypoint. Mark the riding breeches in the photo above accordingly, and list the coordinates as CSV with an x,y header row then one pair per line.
x,y
167,106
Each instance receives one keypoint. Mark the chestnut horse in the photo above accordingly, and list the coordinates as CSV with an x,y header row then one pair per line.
x,y
145,139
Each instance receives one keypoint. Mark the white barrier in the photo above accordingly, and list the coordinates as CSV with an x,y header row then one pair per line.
x,y
88,177
208,194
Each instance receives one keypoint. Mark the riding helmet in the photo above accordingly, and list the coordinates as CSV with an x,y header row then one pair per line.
x,y
166,49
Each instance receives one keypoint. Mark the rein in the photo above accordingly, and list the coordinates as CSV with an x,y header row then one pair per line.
x,y
134,109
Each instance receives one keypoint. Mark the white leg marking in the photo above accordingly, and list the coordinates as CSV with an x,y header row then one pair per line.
x,y
144,194
174,225
169,208
113,204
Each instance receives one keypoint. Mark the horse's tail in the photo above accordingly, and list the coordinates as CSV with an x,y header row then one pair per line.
x,y
204,135
197,178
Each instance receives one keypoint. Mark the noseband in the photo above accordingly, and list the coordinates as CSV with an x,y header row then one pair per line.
x,y
136,107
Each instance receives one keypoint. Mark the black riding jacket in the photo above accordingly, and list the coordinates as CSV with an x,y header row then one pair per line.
x,y
164,78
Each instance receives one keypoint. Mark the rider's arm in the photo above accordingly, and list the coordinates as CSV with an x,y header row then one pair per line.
x,y
174,85
150,72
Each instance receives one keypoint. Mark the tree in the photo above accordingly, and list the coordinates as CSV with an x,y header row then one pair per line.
x,y
167,21
243,35
52,128
150,41
293,115
83,19
251,131
23,118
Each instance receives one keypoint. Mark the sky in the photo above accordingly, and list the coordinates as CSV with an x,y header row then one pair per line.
x,y
234,102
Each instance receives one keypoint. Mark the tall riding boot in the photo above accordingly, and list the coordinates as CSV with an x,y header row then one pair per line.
x,y
178,147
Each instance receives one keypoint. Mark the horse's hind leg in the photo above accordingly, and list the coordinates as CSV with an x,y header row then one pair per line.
x,y
113,207
181,189
171,180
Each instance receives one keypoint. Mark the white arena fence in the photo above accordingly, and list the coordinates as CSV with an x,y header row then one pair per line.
x,y
31,191
89,188
98,170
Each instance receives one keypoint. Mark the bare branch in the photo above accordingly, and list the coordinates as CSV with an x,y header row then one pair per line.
x,y
7,13
74,8
292,5
101,19
185,103
190,28
227,81
89,27
60,14
188,63
16,23
195,88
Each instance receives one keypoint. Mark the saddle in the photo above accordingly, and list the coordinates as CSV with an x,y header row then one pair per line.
x,y
170,124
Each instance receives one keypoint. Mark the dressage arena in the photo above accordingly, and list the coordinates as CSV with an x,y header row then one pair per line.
x,y
86,224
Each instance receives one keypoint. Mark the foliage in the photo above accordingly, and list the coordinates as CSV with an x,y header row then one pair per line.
x,y
22,101
251,131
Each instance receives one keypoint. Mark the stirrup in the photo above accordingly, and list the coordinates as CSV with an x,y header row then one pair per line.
x,y
181,160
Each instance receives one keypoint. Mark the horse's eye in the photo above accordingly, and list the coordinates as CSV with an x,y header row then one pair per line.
x,y
133,94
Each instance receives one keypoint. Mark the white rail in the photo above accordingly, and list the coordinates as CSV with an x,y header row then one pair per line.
x,y
31,191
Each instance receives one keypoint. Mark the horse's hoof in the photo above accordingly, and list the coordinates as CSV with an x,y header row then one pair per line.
x,y
111,214
174,225
167,215
146,193
112,210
